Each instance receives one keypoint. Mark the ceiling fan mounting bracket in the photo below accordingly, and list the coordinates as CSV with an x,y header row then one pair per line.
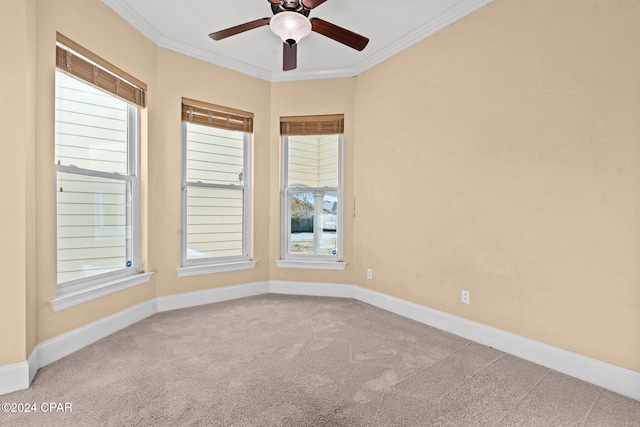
x,y
290,6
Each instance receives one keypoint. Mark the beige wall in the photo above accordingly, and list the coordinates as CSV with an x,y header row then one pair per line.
x,y
17,103
169,76
335,96
501,156
30,179
497,156
180,76
100,30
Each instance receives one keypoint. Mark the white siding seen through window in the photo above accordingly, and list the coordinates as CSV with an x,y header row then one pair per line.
x,y
216,194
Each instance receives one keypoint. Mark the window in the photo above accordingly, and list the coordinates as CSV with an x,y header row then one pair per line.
x,y
312,189
216,194
96,160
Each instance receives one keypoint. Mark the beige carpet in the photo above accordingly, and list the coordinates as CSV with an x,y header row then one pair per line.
x,y
277,360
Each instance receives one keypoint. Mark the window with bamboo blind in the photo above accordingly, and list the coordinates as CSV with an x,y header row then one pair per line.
x,y
96,158
216,214
312,173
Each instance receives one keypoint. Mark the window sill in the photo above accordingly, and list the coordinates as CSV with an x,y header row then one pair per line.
x,y
311,265
65,299
197,270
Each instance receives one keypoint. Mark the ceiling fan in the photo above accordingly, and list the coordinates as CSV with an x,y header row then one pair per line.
x,y
291,23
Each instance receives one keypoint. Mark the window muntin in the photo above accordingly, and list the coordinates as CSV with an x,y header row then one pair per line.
x,y
216,194
312,197
97,204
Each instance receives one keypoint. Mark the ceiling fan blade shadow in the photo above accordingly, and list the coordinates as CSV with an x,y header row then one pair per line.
x,y
289,56
310,4
339,34
228,32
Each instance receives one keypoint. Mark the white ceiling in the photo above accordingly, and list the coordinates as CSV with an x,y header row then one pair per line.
x,y
391,27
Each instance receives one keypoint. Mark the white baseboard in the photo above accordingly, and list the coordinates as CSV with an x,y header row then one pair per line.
x,y
311,289
606,375
208,296
33,364
63,345
18,376
14,377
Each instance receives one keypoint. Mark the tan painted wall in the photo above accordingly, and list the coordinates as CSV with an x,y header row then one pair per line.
x,y
180,76
97,28
335,96
17,102
501,156
169,76
30,179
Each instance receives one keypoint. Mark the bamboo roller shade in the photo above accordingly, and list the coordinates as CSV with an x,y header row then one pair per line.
x,y
203,113
79,62
329,124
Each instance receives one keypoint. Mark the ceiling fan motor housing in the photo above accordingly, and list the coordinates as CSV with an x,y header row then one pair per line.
x,y
290,6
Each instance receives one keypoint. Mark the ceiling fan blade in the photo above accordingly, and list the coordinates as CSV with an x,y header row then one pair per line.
x,y
289,57
310,4
274,1
339,34
223,34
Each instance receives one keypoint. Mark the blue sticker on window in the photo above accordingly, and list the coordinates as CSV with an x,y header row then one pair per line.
x,y
129,264
334,252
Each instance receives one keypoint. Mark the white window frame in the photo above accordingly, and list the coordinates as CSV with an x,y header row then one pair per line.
x,y
78,291
192,267
310,261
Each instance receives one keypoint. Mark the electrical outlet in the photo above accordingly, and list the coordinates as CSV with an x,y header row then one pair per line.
x,y
466,296
369,273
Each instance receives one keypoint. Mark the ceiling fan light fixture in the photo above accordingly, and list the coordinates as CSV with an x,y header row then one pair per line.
x,y
291,27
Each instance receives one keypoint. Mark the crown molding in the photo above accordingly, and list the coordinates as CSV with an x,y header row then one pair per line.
x,y
134,19
454,13
451,15
288,76
215,59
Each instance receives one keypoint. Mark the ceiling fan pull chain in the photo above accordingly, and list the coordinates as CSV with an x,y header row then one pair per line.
x,y
210,118
191,114
117,86
95,75
228,121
